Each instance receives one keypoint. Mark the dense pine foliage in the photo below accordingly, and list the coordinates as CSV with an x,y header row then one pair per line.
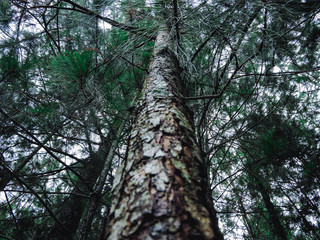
x,y
70,72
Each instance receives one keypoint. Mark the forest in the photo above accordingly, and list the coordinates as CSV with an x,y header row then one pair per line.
x,y
159,119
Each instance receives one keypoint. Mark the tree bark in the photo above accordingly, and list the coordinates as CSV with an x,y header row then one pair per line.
x,y
161,190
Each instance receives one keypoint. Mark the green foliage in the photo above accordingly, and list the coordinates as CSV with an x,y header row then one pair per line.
x,y
10,68
45,109
273,142
73,67
5,13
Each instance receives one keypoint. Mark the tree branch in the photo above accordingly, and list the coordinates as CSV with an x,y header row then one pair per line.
x,y
175,20
40,199
105,19
40,144
143,69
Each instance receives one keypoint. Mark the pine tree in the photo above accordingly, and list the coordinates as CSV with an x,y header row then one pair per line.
x,y
198,104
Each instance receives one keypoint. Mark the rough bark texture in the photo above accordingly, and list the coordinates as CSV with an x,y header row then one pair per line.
x,y
161,191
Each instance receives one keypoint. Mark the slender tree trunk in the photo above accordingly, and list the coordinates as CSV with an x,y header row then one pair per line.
x,y
278,229
92,206
161,190
245,217
73,207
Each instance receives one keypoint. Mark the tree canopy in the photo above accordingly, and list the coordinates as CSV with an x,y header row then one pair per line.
x,y
70,76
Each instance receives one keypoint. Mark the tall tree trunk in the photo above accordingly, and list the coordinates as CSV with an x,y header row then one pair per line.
x,y
274,220
73,207
161,190
245,217
88,216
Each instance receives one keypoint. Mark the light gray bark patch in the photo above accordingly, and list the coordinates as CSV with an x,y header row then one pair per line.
x,y
118,177
159,154
144,203
147,137
134,134
155,120
129,164
135,217
138,177
161,181
118,212
118,226
150,150
177,147
130,155
153,167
